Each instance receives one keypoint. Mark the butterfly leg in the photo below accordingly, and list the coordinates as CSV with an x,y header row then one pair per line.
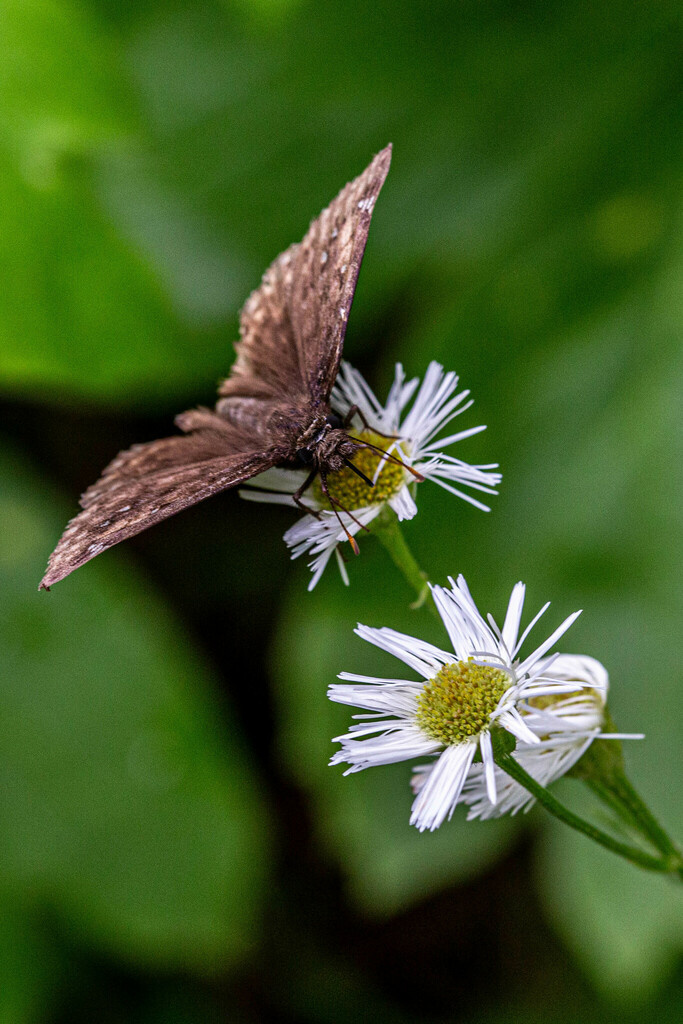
x,y
298,494
387,457
335,506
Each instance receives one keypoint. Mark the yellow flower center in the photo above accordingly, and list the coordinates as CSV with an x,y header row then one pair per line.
x,y
350,490
560,702
459,701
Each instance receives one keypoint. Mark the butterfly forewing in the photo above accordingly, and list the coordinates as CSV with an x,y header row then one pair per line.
x,y
325,273
292,327
269,359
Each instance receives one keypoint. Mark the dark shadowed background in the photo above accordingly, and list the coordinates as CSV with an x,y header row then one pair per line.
x,y
173,846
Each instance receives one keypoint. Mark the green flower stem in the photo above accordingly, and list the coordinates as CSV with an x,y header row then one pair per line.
x,y
605,793
632,853
387,530
602,769
619,794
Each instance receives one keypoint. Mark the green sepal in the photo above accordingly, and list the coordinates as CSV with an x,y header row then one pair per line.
x,y
503,742
602,769
604,759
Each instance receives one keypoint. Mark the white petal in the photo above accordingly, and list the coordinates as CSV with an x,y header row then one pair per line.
x,y
317,567
462,435
388,700
431,475
342,567
391,747
441,791
513,617
421,656
552,639
486,748
278,479
583,669
352,677
466,628
403,504
513,722
270,497
520,642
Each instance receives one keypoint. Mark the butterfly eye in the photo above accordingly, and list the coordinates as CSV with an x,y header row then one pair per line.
x,y
304,456
334,421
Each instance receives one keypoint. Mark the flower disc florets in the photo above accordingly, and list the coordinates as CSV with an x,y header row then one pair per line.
x,y
458,702
350,490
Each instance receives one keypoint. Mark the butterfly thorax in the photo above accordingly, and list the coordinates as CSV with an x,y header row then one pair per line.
x,y
335,449
325,445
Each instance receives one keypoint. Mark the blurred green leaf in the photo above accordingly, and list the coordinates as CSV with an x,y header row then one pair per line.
x,y
81,310
29,966
624,926
64,327
123,805
584,1006
61,90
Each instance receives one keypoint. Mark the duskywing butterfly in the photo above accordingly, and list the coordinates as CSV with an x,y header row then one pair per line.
x,y
274,408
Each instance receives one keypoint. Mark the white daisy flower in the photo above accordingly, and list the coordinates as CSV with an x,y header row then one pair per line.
x,y
410,437
565,726
463,698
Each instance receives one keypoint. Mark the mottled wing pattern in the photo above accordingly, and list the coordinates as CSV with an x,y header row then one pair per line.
x,y
292,327
325,271
150,482
268,363
292,330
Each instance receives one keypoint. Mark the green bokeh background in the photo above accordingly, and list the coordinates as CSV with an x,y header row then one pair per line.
x,y
173,847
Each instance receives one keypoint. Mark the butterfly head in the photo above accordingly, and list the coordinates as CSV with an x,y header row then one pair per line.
x,y
326,445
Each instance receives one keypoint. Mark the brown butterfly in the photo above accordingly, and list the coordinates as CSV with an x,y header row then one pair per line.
x,y
274,408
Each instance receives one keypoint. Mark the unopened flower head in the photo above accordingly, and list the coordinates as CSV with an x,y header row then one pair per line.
x,y
465,699
564,725
410,437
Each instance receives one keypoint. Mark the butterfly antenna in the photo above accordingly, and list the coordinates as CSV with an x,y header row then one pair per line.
x,y
359,473
393,458
356,410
